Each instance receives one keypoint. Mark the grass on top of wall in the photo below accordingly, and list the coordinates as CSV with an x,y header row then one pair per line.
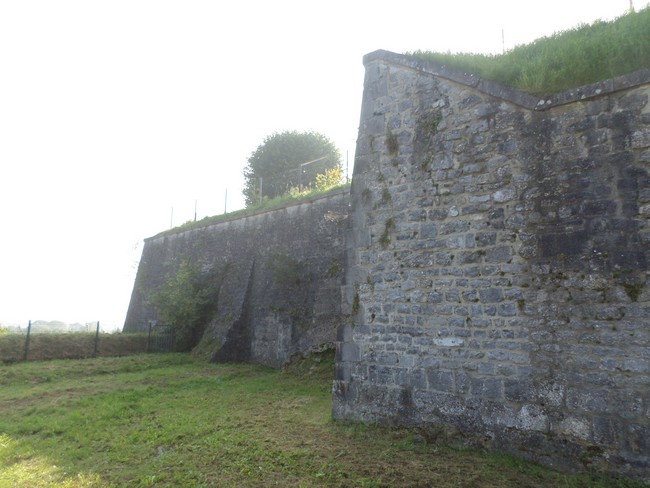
x,y
266,204
586,54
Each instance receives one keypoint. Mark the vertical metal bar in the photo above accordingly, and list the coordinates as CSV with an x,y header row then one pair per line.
x,y
347,166
96,341
149,337
29,329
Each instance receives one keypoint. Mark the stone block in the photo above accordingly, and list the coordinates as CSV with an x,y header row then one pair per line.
x,y
638,439
428,230
498,254
573,426
349,351
519,390
531,418
381,375
607,430
586,400
342,372
389,359
440,380
414,379
507,310
504,195
488,388
491,295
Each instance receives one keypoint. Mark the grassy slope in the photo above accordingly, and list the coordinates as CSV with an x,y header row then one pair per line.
x,y
586,54
168,420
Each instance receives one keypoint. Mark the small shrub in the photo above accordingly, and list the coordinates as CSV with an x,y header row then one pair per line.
x,y
391,144
330,179
388,227
429,125
356,300
186,301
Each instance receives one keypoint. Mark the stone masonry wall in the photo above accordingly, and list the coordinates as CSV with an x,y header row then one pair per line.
x,y
280,271
497,265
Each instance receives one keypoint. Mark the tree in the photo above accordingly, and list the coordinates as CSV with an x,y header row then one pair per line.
x,y
287,160
186,302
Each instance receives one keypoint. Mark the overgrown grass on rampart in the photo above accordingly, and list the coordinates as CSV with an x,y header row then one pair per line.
x,y
76,345
168,420
266,204
568,59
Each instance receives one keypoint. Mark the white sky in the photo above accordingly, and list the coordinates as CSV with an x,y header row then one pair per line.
x,y
113,113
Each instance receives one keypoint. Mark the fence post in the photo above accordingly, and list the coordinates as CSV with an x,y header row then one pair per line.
x,y
96,341
149,336
29,329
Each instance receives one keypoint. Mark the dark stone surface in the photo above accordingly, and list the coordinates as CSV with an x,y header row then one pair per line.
x,y
515,269
281,295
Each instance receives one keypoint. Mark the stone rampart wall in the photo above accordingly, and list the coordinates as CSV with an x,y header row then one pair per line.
x,y
497,264
281,272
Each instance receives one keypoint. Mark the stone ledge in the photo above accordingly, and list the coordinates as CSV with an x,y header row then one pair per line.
x,y
516,97
245,213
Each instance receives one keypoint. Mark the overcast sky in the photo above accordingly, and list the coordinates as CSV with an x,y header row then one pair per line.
x,y
114,113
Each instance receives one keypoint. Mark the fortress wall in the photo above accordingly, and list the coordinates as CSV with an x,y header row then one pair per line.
x,y
491,275
497,265
281,272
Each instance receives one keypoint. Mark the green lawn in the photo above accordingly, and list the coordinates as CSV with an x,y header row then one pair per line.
x,y
171,420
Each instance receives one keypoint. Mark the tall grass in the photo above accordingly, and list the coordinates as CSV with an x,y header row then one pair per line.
x,y
77,345
586,54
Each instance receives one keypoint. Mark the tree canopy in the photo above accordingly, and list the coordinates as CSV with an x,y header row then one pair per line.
x,y
288,160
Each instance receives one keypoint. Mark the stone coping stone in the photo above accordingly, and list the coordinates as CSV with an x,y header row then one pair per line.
x,y
245,213
511,95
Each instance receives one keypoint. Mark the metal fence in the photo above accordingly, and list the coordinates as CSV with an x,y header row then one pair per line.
x,y
161,338
300,178
35,344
